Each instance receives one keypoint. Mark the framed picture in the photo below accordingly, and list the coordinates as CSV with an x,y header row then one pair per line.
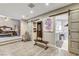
x,y
48,24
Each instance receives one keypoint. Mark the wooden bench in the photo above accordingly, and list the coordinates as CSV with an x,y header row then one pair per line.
x,y
42,41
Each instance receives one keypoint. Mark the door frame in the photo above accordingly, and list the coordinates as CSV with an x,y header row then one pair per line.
x,y
41,28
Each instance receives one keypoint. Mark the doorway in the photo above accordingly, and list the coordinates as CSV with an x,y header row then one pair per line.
x,y
39,30
61,31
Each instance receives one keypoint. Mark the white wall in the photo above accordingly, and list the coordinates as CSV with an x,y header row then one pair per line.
x,y
23,27
49,36
29,29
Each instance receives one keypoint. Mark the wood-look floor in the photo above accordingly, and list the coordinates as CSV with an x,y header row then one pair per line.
x,y
28,49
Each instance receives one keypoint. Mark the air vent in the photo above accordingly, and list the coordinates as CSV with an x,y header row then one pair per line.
x,y
31,5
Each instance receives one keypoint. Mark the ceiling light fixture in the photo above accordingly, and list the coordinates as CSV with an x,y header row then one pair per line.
x,y
31,6
23,17
47,4
31,11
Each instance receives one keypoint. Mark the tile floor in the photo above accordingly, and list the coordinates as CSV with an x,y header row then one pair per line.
x,y
28,49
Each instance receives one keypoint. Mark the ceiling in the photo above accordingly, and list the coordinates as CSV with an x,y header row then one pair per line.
x,y
18,10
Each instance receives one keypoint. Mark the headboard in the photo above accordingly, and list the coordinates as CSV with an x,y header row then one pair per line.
x,y
4,27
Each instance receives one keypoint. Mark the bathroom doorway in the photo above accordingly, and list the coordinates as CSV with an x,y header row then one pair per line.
x,y
61,31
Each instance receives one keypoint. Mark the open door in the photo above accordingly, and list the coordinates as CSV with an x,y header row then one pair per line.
x,y
39,30
73,27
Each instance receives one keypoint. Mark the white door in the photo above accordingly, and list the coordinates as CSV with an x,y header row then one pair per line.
x,y
74,31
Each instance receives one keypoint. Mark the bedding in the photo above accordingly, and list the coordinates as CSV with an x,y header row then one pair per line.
x,y
8,32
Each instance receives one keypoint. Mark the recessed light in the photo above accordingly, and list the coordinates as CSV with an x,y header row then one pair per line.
x,y
23,16
47,4
31,11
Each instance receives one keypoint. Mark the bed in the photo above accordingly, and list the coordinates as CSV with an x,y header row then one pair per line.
x,y
4,32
